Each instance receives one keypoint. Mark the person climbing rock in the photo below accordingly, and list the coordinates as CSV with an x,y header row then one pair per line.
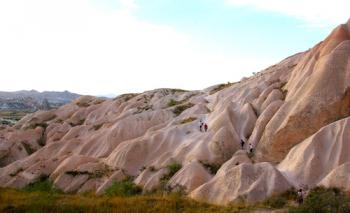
x,y
201,126
206,127
250,148
242,143
300,196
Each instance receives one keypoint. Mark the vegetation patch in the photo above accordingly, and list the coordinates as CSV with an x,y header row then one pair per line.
x,y
220,87
173,102
83,104
153,169
172,169
180,108
141,109
96,174
80,122
178,90
123,189
12,200
97,126
324,200
41,141
28,148
16,172
188,120
212,168
43,185
127,96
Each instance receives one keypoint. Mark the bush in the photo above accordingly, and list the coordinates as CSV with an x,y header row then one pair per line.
x,y
124,188
173,168
43,185
173,102
322,200
179,109
212,168
276,202
220,87
188,120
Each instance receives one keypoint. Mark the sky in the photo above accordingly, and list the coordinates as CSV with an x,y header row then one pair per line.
x,y
111,47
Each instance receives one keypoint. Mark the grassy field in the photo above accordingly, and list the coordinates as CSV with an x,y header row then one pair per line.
x,y
20,201
125,196
43,198
13,115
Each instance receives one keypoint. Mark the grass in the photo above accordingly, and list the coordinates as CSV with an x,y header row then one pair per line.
x,y
141,109
212,168
173,102
13,115
188,120
178,90
220,87
172,169
12,200
180,108
43,197
43,185
124,189
322,200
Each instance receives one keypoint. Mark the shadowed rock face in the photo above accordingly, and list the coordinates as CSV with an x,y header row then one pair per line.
x,y
289,112
318,93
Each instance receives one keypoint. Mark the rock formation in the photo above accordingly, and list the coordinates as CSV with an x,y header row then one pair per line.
x,y
295,114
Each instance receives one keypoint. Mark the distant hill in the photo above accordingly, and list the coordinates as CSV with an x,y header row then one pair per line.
x,y
33,100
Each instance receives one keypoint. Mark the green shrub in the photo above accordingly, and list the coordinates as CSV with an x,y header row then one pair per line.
x,y
173,168
123,189
188,120
173,102
178,90
220,87
322,200
28,148
276,202
211,167
180,108
43,185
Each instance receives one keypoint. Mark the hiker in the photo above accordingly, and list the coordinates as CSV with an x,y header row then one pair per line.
x,y
242,143
300,197
206,127
250,148
201,125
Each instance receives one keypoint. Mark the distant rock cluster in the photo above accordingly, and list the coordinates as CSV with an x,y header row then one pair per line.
x,y
33,100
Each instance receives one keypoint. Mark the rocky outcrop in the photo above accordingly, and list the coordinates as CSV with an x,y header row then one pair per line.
x,y
317,94
244,182
310,161
295,113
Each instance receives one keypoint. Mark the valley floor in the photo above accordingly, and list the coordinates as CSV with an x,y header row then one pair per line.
x,y
35,199
21,201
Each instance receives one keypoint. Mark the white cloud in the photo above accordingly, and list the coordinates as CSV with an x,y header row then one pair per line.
x,y
65,44
313,12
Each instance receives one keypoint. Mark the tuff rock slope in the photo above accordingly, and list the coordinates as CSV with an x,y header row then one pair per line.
x,y
295,114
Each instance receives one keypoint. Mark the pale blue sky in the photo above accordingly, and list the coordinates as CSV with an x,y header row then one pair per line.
x,y
117,46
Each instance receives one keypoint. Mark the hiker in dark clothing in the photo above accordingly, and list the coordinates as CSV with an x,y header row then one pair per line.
x,y
206,127
300,198
200,127
250,148
242,143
